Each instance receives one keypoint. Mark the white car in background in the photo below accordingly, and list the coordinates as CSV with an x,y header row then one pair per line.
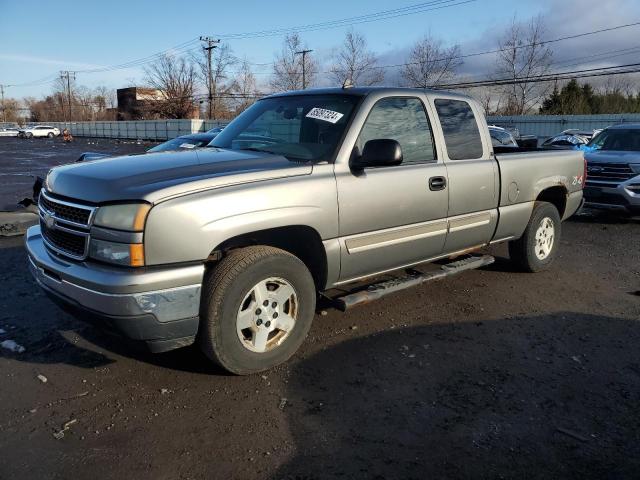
x,y
9,132
39,131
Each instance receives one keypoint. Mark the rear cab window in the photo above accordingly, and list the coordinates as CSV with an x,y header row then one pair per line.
x,y
460,129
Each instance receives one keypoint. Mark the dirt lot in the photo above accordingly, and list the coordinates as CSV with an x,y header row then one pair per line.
x,y
22,159
494,374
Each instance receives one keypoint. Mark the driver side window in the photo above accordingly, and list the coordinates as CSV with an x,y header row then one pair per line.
x,y
403,120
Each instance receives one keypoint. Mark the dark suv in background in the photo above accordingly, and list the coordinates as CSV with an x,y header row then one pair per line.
x,y
613,169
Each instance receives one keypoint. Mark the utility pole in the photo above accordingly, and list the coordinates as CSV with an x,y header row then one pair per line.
x,y
211,44
65,74
4,115
304,66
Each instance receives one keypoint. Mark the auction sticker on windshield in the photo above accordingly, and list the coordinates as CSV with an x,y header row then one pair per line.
x,y
324,114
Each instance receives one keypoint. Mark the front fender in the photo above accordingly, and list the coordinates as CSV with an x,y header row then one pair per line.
x,y
188,228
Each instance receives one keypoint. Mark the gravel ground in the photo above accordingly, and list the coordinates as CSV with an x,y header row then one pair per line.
x,y
493,374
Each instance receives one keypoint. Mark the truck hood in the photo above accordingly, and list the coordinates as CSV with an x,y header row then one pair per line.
x,y
612,156
155,176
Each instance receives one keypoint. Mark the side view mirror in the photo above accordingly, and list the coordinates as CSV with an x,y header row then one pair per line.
x,y
382,152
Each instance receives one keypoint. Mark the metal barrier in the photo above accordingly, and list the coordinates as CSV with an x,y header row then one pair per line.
x,y
548,125
538,125
138,129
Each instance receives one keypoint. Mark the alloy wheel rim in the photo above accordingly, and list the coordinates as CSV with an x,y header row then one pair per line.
x,y
545,237
267,315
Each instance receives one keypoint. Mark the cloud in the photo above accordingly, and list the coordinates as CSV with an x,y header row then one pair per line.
x,y
46,61
616,47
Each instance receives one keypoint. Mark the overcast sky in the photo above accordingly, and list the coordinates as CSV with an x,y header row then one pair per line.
x,y
36,43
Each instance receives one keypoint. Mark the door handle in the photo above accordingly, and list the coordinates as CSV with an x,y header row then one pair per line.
x,y
437,183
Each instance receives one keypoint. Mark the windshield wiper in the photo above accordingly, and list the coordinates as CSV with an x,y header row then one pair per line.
x,y
256,149
285,155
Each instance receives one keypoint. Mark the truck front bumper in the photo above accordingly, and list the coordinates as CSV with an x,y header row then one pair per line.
x,y
157,305
624,196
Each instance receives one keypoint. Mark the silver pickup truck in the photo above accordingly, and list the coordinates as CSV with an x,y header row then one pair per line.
x,y
230,246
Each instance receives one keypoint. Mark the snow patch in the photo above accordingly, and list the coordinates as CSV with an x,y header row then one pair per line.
x,y
12,346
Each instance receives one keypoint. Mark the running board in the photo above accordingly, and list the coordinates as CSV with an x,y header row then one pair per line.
x,y
379,290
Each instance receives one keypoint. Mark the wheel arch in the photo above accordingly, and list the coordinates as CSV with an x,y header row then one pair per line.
x,y
557,196
302,241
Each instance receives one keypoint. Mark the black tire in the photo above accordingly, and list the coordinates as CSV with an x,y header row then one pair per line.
x,y
523,251
50,135
28,135
224,291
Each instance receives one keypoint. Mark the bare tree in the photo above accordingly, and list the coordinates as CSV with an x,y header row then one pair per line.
x,y
222,59
244,88
430,63
174,78
51,109
355,62
105,96
523,55
10,110
288,66
489,98
619,84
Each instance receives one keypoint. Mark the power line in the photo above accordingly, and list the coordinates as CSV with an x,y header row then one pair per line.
x,y
585,73
544,42
355,20
187,46
487,52
178,49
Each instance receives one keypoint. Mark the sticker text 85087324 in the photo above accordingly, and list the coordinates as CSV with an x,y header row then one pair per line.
x,y
324,114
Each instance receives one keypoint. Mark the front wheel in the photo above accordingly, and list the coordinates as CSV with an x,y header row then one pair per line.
x,y
257,307
537,247
29,135
50,135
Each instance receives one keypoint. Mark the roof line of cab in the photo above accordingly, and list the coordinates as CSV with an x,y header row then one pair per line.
x,y
365,91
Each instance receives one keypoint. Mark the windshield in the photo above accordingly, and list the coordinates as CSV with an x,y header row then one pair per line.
x,y
626,140
301,127
178,144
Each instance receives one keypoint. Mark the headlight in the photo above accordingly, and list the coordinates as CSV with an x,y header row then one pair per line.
x,y
130,217
635,167
129,254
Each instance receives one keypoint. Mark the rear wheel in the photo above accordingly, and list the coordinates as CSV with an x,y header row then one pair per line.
x,y
28,135
537,247
257,307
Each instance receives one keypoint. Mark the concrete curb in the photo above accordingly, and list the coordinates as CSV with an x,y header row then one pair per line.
x,y
16,223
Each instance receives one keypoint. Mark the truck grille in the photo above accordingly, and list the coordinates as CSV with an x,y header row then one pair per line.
x,y
66,211
63,241
598,173
65,226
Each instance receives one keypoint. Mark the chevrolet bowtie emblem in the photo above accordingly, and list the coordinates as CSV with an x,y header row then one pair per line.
x,y
49,221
